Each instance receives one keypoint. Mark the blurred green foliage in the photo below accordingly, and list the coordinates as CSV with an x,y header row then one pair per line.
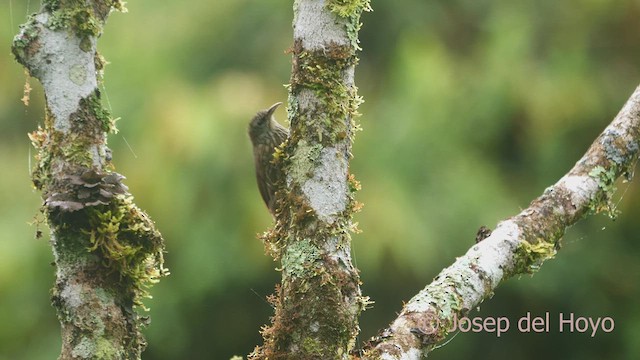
x,y
472,109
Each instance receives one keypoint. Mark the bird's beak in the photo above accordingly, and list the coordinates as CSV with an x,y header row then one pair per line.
x,y
273,108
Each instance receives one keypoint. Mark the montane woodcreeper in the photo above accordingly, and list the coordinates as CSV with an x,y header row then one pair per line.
x,y
266,135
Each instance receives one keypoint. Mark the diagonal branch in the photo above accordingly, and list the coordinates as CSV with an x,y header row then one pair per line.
x,y
518,245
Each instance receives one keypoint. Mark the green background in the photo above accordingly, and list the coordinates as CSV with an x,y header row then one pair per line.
x,y
472,109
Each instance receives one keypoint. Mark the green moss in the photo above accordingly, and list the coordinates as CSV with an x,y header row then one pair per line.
x,y
128,243
529,257
40,173
100,62
84,20
95,348
75,149
89,124
323,73
59,20
351,10
606,182
104,349
78,17
25,44
97,222
51,5
311,346
102,115
92,120
119,6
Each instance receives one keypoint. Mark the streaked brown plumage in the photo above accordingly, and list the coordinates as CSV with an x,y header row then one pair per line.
x,y
266,134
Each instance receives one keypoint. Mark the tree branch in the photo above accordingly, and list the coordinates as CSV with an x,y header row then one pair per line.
x,y
107,251
518,245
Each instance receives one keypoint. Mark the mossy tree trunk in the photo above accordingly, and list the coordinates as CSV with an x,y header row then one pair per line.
x,y
319,300
107,251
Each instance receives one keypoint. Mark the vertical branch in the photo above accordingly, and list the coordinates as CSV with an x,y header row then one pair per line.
x,y
107,251
318,303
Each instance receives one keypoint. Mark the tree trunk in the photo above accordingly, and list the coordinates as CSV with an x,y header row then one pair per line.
x,y
107,251
319,300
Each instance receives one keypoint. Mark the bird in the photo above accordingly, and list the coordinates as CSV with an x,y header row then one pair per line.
x,y
266,135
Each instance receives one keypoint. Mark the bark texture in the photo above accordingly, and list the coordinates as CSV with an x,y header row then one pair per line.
x,y
318,303
518,245
107,251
